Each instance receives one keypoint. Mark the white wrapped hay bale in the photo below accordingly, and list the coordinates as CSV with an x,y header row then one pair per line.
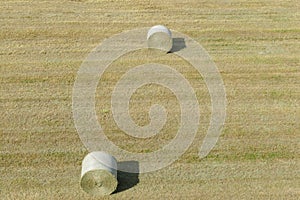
x,y
99,173
160,37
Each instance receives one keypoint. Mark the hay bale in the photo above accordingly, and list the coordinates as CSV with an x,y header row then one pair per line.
x,y
160,37
99,174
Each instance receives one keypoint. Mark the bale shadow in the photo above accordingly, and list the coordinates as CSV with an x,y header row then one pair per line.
x,y
178,44
127,180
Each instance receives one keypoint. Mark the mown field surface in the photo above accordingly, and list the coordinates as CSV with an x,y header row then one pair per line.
x,y
256,46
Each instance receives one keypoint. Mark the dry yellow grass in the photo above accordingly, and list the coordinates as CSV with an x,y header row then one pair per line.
x,y
255,44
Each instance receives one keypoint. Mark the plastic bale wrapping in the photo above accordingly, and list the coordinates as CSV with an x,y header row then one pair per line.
x,y
160,37
99,174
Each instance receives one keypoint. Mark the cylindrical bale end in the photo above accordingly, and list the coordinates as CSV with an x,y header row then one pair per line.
x,y
99,173
160,37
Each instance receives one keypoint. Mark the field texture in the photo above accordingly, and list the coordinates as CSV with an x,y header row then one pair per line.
x,y
255,44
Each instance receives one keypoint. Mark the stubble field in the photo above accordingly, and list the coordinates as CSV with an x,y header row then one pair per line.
x,y
255,45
